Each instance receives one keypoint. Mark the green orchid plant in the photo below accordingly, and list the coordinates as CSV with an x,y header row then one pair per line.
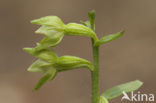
x,y
49,64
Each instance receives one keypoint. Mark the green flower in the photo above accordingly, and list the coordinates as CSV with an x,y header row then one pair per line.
x,y
49,64
54,29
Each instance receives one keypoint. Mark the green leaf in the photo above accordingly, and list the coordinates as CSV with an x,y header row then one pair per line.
x,y
49,75
103,100
109,38
40,66
71,62
79,30
44,54
118,90
52,21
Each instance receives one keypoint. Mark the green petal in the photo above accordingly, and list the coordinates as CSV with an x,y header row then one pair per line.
x,y
44,54
71,62
52,38
49,75
40,66
53,21
49,31
109,38
47,42
118,90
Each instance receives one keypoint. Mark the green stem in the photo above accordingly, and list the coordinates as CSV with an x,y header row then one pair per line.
x,y
95,75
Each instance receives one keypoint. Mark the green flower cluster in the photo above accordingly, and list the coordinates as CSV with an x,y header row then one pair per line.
x,y
48,62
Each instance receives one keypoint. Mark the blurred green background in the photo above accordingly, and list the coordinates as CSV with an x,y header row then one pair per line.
x,y
129,58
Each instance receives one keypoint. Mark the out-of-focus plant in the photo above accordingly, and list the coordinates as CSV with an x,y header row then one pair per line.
x,y
49,64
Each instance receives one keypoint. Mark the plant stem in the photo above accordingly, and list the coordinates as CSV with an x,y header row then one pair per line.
x,y
95,75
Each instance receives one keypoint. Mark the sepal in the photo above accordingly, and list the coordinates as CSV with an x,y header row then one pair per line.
x,y
47,42
44,54
52,21
49,75
40,66
49,31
